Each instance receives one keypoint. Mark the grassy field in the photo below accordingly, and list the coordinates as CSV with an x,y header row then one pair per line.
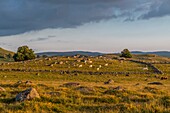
x,y
125,94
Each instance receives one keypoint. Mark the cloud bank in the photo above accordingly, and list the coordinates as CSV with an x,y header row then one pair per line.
x,y
19,16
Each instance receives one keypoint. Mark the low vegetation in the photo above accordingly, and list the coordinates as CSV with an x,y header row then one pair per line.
x,y
126,53
24,53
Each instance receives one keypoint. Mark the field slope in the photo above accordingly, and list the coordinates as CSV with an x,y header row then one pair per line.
x,y
81,84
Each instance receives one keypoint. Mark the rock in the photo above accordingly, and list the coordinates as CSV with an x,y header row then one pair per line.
x,y
164,78
155,83
18,83
127,74
28,94
146,79
137,84
118,88
54,93
109,81
114,90
85,90
28,82
37,74
71,84
2,89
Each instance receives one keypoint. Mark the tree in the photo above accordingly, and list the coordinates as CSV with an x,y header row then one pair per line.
x,y
126,53
24,53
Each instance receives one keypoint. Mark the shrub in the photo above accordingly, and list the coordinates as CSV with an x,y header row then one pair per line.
x,y
126,53
24,53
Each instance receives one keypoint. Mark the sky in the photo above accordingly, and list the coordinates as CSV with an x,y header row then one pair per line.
x,y
87,25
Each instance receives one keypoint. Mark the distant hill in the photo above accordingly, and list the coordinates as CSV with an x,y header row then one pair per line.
x,y
4,52
160,53
70,53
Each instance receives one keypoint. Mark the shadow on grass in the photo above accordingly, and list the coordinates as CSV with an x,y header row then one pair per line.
x,y
7,100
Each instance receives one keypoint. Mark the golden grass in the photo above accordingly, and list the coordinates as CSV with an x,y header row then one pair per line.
x,y
91,96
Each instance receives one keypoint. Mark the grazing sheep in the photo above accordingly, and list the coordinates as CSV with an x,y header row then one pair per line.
x,y
90,62
146,68
91,66
61,62
100,66
80,65
106,64
78,60
98,69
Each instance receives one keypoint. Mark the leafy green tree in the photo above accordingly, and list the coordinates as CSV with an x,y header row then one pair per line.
x,y
126,53
24,53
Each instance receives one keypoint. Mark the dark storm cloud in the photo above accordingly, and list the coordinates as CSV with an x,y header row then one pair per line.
x,y
38,39
158,9
19,16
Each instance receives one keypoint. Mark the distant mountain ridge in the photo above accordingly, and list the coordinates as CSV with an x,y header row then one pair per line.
x,y
160,53
70,53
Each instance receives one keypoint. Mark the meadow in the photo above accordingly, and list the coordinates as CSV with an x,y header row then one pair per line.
x,y
81,84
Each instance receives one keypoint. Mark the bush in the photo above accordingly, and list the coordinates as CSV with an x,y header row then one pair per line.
x,y
126,53
24,53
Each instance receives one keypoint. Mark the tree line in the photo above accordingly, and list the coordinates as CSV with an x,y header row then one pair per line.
x,y
25,53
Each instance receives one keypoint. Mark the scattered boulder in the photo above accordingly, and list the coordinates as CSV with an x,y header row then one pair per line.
x,y
71,84
137,84
2,89
85,90
76,74
18,83
54,93
114,90
37,74
28,94
146,79
118,88
110,81
155,83
164,78
28,82
156,76
127,74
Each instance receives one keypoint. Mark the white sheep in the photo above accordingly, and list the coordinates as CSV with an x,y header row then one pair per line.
x,y
80,65
90,62
146,68
91,66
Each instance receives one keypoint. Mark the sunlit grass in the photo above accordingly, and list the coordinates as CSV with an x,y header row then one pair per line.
x,y
92,95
